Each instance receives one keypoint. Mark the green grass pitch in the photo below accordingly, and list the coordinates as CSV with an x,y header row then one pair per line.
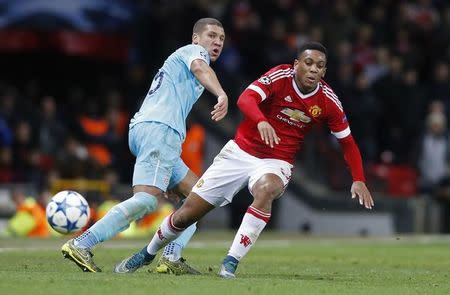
x,y
277,264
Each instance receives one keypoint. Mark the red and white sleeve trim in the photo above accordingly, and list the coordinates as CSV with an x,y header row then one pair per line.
x,y
342,134
258,90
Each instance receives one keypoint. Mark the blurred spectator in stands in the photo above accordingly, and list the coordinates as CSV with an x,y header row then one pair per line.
x,y
340,62
51,132
434,151
442,36
30,219
229,69
193,148
412,110
51,128
299,29
6,134
22,147
388,91
97,133
8,109
277,51
362,109
247,33
379,68
341,13
117,119
403,47
421,14
345,80
378,17
363,51
73,159
442,194
7,174
440,84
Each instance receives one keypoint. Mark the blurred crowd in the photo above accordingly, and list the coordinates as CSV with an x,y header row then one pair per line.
x,y
388,62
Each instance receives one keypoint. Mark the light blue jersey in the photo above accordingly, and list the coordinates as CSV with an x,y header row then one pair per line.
x,y
174,90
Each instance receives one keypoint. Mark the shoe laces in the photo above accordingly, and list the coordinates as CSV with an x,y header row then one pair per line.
x,y
230,266
87,251
136,261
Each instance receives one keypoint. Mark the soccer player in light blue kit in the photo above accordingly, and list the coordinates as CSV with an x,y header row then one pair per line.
x,y
156,134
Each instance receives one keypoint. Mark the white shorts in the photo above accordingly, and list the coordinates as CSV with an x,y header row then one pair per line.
x,y
232,169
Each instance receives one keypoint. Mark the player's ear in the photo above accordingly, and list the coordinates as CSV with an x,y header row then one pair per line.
x,y
195,38
324,72
295,63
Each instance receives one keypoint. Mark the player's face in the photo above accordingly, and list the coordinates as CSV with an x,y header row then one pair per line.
x,y
309,68
211,38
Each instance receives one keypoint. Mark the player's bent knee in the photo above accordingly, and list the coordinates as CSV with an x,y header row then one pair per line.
x,y
267,191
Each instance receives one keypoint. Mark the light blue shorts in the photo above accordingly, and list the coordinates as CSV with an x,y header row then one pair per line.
x,y
157,148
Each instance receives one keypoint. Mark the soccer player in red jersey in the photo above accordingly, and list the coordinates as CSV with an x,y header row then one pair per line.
x,y
279,108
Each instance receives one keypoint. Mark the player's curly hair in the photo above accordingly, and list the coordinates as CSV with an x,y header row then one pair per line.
x,y
314,46
200,25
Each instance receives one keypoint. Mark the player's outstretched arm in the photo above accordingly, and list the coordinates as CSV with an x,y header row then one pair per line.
x,y
207,77
359,189
353,158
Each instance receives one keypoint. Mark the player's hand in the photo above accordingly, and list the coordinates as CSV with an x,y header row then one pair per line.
x,y
268,134
221,108
359,189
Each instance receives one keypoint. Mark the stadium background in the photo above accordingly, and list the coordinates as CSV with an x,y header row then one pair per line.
x,y
73,72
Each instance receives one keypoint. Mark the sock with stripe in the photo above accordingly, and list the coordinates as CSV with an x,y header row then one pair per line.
x,y
165,234
252,225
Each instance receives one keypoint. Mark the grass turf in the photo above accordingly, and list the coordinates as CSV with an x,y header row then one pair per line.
x,y
277,264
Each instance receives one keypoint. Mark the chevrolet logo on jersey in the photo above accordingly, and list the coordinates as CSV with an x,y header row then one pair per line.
x,y
296,115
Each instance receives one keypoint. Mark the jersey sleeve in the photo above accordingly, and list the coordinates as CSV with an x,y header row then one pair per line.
x,y
336,118
263,86
193,52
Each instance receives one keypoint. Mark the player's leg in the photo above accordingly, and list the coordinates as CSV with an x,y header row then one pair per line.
x,y
171,228
117,219
171,260
220,182
265,190
153,167
223,179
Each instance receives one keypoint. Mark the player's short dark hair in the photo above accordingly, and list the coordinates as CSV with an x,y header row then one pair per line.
x,y
200,25
312,46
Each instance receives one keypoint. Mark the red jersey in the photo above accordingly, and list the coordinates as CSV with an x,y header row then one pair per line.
x,y
290,112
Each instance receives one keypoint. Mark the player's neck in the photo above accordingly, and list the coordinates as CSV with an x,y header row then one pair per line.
x,y
302,89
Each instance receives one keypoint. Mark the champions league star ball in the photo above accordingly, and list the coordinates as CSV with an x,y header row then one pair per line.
x,y
67,212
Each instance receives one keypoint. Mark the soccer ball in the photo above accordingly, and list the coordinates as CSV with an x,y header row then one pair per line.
x,y
67,212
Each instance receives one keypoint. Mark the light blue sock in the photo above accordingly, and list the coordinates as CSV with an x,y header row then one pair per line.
x,y
173,250
117,219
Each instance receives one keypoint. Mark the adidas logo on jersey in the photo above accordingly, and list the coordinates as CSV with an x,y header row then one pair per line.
x,y
288,98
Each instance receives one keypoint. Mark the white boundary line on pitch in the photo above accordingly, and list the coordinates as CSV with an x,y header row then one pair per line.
x,y
202,244
194,245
